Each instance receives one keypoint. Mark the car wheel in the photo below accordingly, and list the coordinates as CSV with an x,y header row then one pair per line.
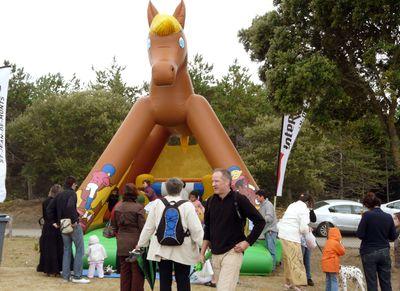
x,y
322,229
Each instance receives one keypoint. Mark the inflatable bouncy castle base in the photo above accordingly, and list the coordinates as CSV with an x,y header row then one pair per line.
x,y
256,261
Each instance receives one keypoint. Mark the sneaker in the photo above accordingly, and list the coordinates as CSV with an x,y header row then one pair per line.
x,y
80,280
310,282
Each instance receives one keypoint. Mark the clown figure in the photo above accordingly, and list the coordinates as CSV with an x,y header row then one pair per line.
x,y
100,180
241,184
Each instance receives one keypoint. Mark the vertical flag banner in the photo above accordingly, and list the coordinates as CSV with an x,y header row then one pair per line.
x,y
291,125
4,77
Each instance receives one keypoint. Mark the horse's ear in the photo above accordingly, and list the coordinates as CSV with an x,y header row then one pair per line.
x,y
180,13
151,12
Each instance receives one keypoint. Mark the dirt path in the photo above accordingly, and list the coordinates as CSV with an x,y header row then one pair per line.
x,y
25,214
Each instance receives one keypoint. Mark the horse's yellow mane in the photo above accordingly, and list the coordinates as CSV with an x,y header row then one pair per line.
x,y
163,25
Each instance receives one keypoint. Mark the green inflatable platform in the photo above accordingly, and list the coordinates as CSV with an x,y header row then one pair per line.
x,y
110,244
256,261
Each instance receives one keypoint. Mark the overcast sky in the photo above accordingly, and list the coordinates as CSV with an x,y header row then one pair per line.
x,y
69,36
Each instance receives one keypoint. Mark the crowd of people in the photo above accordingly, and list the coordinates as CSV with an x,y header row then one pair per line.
x,y
179,229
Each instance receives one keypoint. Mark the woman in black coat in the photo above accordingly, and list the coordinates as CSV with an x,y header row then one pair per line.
x,y
51,243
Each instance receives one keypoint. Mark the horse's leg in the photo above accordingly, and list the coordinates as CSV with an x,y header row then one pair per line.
x,y
211,136
148,154
125,144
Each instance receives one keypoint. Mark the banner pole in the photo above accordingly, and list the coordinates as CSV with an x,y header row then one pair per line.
x,y
5,72
279,161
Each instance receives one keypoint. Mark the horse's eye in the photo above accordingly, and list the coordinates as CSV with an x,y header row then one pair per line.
x,y
181,42
148,43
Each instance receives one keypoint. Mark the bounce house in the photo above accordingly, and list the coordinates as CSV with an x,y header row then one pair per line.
x,y
139,148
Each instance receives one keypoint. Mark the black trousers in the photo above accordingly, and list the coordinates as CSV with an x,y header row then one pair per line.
x,y
377,262
181,275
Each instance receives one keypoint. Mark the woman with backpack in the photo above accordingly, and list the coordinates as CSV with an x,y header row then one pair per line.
x,y
175,235
127,222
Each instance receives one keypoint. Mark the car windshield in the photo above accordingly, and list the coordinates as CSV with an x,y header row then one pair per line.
x,y
320,204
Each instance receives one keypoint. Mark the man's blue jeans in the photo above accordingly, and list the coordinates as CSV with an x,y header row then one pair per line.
x,y
331,282
377,262
270,242
77,237
307,261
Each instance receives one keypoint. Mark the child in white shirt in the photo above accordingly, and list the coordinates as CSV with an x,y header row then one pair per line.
x,y
96,255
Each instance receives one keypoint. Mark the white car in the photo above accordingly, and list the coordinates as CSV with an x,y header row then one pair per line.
x,y
344,214
391,207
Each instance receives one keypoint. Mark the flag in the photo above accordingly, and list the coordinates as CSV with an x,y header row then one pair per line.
x,y
4,77
291,125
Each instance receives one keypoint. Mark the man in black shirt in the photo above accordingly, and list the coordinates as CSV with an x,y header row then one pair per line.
x,y
224,221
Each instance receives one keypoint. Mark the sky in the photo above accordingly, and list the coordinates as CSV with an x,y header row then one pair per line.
x,y
71,36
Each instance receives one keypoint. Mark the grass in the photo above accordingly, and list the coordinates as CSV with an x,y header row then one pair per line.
x,y
20,257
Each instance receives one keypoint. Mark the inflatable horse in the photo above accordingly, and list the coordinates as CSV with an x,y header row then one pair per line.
x,y
171,108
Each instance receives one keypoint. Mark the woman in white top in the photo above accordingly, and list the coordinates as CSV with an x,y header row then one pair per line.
x,y
291,227
179,257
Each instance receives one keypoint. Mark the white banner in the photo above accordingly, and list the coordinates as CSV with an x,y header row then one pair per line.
x,y
4,77
290,129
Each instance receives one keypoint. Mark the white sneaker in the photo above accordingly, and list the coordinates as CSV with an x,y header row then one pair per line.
x,y
80,281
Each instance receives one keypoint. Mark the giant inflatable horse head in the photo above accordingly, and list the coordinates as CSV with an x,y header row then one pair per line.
x,y
171,108
166,45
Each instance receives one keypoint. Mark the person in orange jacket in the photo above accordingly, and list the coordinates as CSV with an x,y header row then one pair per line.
x,y
330,258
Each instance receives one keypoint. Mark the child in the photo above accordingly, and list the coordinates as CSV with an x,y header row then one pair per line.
x,y
330,258
194,198
150,193
96,255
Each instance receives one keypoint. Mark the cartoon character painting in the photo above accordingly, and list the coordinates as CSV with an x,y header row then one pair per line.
x,y
99,180
241,184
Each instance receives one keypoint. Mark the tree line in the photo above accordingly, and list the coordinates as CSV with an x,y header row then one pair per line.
x,y
336,60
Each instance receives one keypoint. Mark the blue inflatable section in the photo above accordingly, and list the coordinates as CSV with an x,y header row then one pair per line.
x,y
157,187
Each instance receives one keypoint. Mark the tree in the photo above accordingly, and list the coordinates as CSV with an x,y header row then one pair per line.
x,y
202,78
20,90
340,59
111,80
307,162
64,134
51,84
237,101
356,164
334,163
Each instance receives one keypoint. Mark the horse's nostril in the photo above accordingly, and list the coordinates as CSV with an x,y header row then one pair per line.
x,y
172,69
